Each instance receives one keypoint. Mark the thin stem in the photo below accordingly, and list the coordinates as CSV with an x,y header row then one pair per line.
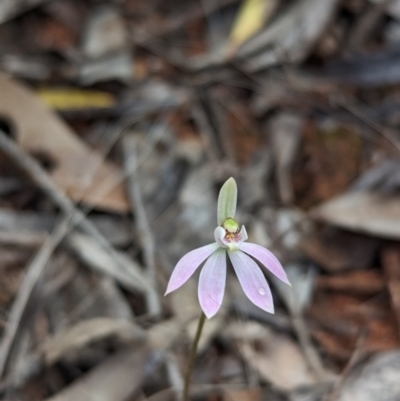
x,y
192,356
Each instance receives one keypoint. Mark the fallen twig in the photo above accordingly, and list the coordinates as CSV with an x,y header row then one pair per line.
x,y
205,130
145,236
29,281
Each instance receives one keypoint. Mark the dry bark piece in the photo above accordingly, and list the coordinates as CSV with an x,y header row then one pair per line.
x,y
369,282
337,250
338,320
391,266
80,171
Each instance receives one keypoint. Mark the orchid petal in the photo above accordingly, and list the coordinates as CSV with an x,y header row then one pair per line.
x,y
212,283
243,234
188,264
267,258
227,200
219,235
252,280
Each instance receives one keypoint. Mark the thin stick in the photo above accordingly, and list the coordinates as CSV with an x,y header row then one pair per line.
x,y
145,236
39,176
354,359
311,354
174,373
29,281
192,356
206,131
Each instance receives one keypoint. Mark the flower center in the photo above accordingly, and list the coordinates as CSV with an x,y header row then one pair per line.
x,y
232,234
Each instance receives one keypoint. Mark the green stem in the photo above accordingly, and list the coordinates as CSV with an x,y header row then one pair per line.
x,y
192,356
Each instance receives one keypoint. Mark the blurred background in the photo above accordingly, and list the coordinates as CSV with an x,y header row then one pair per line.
x,y
119,122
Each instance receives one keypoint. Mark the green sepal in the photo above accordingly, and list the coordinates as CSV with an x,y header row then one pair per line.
x,y
227,200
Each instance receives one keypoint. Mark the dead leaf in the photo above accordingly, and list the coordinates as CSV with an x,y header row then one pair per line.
x,y
298,296
187,309
98,259
162,335
378,379
285,130
74,167
365,212
289,37
252,15
88,331
385,178
337,250
74,99
249,394
327,163
276,357
338,320
36,226
11,8
115,379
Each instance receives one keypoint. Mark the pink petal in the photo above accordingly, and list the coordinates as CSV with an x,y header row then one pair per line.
x,y
212,283
252,280
267,258
188,265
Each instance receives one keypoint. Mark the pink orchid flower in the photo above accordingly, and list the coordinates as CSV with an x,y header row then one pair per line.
x,y
229,240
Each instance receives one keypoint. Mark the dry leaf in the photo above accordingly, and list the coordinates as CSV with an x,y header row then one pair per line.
x,y
187,309
365,212
276,357
88,331
250,394
338,320
289,37
162,335
377,380
338,250
115,379
73,99
252,15
131,277
81,172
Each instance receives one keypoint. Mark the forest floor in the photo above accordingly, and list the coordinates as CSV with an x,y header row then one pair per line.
x,y
119,122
